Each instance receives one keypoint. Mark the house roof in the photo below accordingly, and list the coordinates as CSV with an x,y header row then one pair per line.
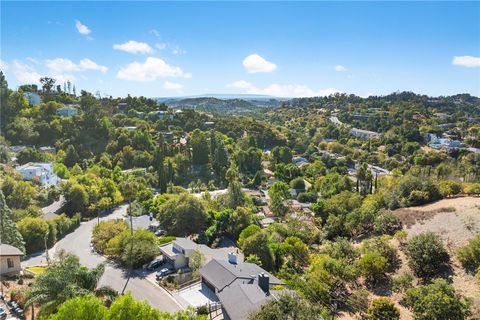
x,y
241,300
8,250
169,250
223,273
185,243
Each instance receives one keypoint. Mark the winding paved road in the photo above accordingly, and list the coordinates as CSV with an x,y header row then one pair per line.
x,y
140,284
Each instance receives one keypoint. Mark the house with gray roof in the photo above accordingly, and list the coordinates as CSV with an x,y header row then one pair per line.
x,y
241,287
10,260
179,251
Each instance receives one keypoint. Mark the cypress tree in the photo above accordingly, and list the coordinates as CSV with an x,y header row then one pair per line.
x,y
9,233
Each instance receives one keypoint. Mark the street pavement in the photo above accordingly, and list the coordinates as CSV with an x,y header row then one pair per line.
x,y
141,283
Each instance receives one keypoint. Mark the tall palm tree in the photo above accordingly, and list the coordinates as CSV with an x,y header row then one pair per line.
x,y
65,278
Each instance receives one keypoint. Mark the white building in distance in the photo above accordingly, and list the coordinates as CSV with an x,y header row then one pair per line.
x,y
42,170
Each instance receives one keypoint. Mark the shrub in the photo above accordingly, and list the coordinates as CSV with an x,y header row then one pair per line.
x,y
426,254
341,249
297,184
400,236
383,309
469,255
436,301
381,246
165,239
373,266
402,282
358,300
386,222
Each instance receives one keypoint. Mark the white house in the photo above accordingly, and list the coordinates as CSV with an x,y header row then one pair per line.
x,y
364,134
42,170
33,98
10,260
68,110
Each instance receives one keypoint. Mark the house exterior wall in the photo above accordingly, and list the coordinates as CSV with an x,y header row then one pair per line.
x,y
180,261
33,98
5,270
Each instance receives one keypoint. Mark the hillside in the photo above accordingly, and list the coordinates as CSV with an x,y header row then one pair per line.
x,y
223,106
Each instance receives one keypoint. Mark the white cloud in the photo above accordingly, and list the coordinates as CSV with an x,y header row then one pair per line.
x,y
3,65
173,86
87,64
340,68
62,65
134,47
150,70
83,29
25,73
255,63
466,61
279,90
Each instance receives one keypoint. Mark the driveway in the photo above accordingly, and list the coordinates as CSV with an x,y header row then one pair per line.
x,y
78,243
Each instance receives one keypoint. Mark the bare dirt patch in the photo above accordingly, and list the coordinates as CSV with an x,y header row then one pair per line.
x,y
456,220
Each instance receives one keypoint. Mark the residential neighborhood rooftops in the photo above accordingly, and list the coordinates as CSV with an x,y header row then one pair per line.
x,y
8,250
220,273
239,301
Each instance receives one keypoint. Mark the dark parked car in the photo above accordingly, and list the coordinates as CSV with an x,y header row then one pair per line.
x,y
159,233
153,265
3,314
164,272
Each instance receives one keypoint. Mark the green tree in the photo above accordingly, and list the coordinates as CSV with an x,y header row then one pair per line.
x,y
133,251
426,254
281,155
65,278
9,231
126,308
76,198
279,193
219,158
289,306
34,232
258,244
247,232
373,266
87,307
333,183
22,195
182,216
162,178
199,145
47,84
106,230
71,156
383,309
436,301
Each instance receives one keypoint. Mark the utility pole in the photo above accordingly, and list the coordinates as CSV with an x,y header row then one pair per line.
x,y
46,248
129,212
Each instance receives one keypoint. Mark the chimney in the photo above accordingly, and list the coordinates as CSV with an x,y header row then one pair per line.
x,y
232,257
264,283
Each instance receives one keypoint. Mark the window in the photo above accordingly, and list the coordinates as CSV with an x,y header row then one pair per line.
x,y
9,263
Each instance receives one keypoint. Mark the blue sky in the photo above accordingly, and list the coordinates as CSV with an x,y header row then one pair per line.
x,y
278,48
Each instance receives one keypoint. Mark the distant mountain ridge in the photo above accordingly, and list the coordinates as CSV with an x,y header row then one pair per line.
x,y
229,104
